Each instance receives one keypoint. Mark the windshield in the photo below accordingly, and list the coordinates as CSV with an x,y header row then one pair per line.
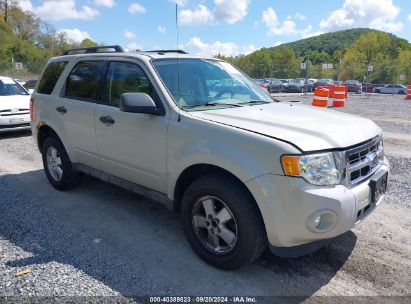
x,y
205,82
10,87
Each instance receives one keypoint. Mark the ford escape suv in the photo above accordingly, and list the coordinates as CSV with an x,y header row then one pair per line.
x,y
195,133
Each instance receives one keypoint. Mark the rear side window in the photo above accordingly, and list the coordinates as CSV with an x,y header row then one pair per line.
x,y
85,81
50,77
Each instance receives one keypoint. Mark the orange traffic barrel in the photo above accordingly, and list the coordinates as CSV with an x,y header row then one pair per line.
x,y
339,95
320,97
409,92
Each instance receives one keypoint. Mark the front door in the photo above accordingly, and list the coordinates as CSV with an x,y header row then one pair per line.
x,y
131,146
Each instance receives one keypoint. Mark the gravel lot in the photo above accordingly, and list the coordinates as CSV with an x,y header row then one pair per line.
x,y
99,240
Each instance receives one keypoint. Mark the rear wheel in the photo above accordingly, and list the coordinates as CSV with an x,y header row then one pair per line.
x,y
57,165
222,222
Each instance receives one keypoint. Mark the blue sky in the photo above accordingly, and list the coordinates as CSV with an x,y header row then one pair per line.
x,y
209,27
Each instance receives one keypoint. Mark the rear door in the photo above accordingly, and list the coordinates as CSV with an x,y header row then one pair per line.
x,y
77,106
131,146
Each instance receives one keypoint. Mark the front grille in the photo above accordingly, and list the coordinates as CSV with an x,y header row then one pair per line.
x,y
364,160
14,112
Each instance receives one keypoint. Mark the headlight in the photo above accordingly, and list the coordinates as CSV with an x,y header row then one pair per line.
x,y
317,169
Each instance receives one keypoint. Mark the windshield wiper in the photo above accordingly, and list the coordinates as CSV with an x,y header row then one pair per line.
x,y
255,102
212,104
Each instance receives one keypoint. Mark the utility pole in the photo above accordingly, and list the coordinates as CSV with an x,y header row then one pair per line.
x,y
13,67
339,70
306,76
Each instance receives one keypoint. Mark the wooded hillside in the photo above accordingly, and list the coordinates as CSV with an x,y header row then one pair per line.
x,y
26,38
355,49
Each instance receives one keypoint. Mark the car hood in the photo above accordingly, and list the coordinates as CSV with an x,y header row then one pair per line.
x,y
306,127
14,102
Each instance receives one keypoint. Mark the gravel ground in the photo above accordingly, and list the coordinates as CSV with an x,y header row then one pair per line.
x,y
99,240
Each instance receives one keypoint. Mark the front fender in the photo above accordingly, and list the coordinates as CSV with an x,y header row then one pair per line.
x,y
244,154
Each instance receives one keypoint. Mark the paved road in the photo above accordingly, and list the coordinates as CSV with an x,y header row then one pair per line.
x,y
101,240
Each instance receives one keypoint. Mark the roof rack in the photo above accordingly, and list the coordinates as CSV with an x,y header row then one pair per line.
x,y
95,49
167,51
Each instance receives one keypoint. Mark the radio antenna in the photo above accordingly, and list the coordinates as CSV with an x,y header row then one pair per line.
x,y
178,65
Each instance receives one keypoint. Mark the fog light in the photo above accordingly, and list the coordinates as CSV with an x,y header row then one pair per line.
x,y
317,221
322,221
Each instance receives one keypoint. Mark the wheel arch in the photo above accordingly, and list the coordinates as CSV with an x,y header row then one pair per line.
x,y
191,173
43,132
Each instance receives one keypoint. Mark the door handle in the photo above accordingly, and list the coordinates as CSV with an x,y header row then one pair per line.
x,y
61,110
107,120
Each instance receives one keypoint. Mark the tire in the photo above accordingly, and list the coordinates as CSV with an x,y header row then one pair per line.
x,y
246,234
377,91
57,165
401,93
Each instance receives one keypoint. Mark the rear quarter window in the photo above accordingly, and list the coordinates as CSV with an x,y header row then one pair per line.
x,y
50,77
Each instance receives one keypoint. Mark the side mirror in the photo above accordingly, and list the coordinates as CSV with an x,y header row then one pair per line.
x,y
138,103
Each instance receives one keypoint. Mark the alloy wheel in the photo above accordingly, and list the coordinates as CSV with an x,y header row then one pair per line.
x,y
214,225
54,163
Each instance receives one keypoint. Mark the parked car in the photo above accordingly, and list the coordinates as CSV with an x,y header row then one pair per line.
x,y
29,85
274,86
391,89
243,171
284,85
14,106
323,83
369,87
353,86
262,83
298,86
19,81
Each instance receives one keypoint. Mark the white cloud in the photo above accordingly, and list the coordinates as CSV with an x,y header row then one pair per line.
x,y
197,46
286,28
136,8
300,16
60,10
129,34
179,2
161,29
307,32
106,3
379,15
195,17
134,46
229,11
409,17
270,17
26,5
278,43
225,11
75,34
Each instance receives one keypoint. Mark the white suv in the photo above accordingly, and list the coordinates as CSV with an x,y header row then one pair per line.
x,y
197,134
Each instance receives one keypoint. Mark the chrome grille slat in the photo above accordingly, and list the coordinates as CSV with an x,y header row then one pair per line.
x,y
363,161
10,112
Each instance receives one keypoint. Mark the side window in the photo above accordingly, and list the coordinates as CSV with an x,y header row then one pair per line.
x,y
125,77
50,77
86,81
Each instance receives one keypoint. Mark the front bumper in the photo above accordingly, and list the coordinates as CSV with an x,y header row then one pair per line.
x,y
287,204
14,123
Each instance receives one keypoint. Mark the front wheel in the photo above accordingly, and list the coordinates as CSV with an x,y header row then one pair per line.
x,y
222,222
